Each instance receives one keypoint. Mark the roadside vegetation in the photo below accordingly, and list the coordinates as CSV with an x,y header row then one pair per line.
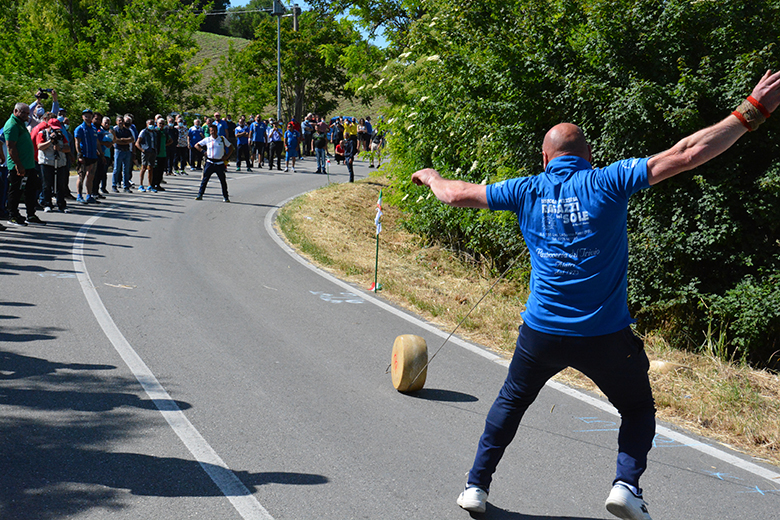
x,y
470,88
334,228
479,84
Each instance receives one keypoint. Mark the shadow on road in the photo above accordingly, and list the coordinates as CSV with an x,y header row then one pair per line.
x,y
62,426
446,396
496,513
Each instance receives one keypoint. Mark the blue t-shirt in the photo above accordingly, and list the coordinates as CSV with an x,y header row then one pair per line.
x,y
243,139
573,220
195,135
291,138
105,139
222,127
87,136
257,132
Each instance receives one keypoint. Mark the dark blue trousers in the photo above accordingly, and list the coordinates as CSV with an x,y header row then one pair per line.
x,y
208,171
616,362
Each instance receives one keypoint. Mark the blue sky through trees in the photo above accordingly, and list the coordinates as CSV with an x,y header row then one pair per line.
x,y
378,40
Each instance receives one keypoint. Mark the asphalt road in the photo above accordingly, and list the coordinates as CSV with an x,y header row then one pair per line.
x,y
167,358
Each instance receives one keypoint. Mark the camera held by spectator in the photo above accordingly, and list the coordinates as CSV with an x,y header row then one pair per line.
x,y
43,93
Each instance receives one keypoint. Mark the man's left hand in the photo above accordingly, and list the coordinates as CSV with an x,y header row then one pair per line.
x,y
767,91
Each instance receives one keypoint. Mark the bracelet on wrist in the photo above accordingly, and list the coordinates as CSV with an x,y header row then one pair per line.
x,y
751,113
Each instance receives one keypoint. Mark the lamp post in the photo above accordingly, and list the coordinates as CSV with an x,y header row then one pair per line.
x,y
278,11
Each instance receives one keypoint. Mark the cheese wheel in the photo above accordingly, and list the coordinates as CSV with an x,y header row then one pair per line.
x,y
410,355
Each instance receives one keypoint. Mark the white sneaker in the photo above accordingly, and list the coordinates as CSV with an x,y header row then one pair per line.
x,y
473,499
286,169
626,505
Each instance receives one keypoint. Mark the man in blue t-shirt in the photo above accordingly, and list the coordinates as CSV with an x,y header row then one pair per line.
x,y
194,136
242,142
291,138
257,137
573,220
86,139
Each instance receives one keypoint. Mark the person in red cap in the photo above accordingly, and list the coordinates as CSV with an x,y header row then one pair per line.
x,y
53,149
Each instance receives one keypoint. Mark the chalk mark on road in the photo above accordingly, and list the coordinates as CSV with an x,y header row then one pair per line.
x,y
345,297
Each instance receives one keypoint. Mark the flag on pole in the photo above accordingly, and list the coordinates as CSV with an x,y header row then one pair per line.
x,y
378,219
376,286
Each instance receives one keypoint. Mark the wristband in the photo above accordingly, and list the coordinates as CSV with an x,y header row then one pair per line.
x,y
749,115
759,106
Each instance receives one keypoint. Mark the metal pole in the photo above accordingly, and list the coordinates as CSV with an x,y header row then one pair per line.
x,y
376,265
278,68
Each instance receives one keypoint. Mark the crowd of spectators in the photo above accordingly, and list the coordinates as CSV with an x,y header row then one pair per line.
x,y
41,147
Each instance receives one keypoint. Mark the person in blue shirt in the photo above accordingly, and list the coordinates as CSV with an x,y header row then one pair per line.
x,y
257,136
222,125
369,133
194,136
147,143
105,140
123,156
275,145
242,144
291,138
85,137
573,219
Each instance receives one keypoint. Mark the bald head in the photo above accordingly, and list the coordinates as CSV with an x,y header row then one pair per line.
x,y
565,139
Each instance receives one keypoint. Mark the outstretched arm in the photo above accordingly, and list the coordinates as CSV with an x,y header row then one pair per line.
x,y
706,144
455,193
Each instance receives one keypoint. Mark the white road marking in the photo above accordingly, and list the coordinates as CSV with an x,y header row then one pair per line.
x,y
235,491
728,458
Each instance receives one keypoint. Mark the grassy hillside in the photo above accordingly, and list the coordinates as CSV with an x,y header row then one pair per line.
x,y
213,46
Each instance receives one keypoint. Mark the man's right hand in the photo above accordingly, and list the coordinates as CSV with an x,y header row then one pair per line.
x,y
425,176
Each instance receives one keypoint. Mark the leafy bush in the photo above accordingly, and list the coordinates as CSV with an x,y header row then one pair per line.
x,y
110,55
481,81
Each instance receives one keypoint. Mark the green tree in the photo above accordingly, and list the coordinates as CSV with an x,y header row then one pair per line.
x,y
242,22
481,81
93,50
393,18
313,75
234,92
216,14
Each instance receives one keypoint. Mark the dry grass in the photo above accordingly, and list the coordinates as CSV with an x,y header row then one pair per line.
x,y
334,227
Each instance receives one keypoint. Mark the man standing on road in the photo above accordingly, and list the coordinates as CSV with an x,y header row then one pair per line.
x,y
147,144
194,136
257,134
242,142
23,180
573,220
123,156
348,145
291,141
217,148
53,149
85,137
275,146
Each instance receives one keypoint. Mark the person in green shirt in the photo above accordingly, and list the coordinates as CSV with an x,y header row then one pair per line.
x,y
23,177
